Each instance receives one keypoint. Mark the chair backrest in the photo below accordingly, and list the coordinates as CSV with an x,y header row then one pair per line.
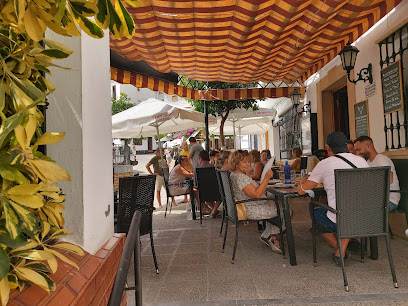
x,y
132,246
207,184
362,197
401,166
227,195
135,193
166,175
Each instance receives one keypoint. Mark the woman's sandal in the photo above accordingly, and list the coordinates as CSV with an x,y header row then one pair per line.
x,y
274,247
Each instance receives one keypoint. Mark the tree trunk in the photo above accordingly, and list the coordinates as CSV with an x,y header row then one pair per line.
x,y
223,119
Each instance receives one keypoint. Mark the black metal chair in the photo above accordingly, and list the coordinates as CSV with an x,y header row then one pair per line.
x,y
207,186
137,194
362,209
231,214
166,175
132,244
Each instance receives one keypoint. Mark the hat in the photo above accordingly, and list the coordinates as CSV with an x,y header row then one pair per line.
x,y
337,142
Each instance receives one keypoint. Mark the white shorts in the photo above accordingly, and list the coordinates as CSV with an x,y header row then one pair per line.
x,y
159,182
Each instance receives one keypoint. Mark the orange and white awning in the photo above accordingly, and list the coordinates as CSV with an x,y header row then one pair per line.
x,y
246,40
142,81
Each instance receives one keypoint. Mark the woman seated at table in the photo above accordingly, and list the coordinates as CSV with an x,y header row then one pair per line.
x,y
297,154
222,161
256,171
246,188
265,156
177,184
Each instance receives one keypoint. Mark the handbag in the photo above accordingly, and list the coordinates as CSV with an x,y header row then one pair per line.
x,y
242,212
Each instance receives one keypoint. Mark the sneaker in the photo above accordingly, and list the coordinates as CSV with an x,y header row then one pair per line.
x,y
337,260
274,247
266,241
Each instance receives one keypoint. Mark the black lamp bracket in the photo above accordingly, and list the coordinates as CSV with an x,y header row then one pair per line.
x,y
365,75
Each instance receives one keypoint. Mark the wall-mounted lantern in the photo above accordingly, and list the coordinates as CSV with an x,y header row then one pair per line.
x,y
348,60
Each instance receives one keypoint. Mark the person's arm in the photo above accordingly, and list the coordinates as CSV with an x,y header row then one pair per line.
x,y
184,172
257,171
306,185
294,164
190,156
150,170
257,192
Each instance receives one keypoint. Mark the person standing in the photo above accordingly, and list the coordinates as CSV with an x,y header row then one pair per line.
x,y
195,149
324,173
158,163
186,151
364,147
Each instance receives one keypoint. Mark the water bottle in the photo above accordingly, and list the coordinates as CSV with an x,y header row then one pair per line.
x,y
286,169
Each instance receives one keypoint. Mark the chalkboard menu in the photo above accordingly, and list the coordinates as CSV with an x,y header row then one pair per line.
x,y
361,118
392,87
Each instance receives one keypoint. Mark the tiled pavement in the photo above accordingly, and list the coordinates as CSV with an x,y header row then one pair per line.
x,y
193,271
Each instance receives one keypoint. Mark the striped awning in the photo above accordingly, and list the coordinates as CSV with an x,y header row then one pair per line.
x,y
246,40
155,84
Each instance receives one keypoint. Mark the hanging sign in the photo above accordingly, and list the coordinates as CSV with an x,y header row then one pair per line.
x,y
361,119
392,88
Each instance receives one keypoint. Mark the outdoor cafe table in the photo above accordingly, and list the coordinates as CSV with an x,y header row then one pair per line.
x,y
283,195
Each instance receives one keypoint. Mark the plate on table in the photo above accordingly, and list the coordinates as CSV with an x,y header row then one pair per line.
x,y
281,185
274,181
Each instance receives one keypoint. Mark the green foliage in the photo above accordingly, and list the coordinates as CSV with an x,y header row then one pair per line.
x,y
220,107
31,220
121,104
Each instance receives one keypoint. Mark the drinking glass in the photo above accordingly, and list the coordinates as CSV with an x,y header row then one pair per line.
x,y
282,176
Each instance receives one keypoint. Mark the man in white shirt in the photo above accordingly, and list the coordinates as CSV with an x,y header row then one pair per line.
x,y
324,173
365,148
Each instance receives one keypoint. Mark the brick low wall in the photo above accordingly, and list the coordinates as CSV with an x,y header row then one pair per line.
x,y
91,285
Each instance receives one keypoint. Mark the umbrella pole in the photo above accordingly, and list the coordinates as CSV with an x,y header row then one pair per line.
x,y
160,147
239,133
207,133
233,129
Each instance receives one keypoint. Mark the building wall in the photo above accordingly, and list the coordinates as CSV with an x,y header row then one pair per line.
x,y
81,107
332,75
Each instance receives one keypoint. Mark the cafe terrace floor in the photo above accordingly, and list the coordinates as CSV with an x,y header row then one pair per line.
x,y
193,271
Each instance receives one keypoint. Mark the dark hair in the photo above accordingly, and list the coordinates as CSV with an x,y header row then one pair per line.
x,y
255,155
268,154
192,139
297,152
350,142
181,158
204,155
213,153
363,138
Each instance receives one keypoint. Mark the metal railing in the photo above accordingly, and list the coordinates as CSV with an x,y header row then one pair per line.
x,y
132,245
393,48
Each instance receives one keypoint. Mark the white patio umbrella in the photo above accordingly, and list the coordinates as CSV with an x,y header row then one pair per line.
x,y
248,122
152,115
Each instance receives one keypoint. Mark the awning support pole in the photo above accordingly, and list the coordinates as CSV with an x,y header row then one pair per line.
x,y
233,128
239,133
207,134
160,147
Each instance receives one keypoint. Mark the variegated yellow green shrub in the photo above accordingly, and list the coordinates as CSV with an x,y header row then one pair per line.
x,y
31,221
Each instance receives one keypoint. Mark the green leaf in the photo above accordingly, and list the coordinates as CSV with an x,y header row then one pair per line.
x,y
38,266
34,254
12,243
56,45
50,282
126,19
2,97
102,18
4,263
19,8
61,10
6,174
12,222
33,277
89,27
30,221
32,91
84,8
115,24
55,53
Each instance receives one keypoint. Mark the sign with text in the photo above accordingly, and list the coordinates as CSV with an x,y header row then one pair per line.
x,y
361,119
392,88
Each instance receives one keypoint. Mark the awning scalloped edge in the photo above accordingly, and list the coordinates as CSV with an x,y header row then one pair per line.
x,y
141,81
